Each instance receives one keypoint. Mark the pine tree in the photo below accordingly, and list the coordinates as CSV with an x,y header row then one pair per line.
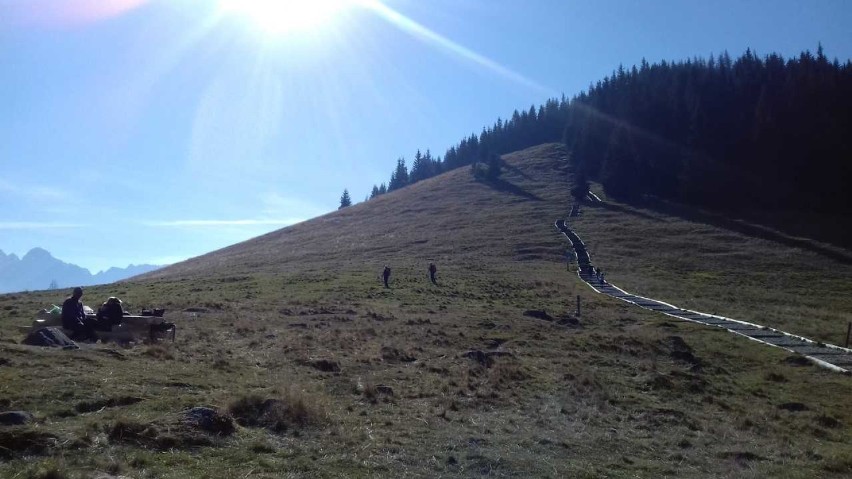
x,y
764,130
399,177
619,173
418,168
375,192
494,166
580,188
345,200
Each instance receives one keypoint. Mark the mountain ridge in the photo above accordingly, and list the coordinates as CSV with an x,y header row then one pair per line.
x,y
39,269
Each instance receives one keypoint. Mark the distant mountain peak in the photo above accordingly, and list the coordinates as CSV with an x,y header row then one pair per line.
x,y
39,269
38,253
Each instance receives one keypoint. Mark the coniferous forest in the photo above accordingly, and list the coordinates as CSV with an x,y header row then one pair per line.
x,y
766,131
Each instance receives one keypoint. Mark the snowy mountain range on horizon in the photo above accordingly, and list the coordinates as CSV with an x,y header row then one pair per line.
x,y
38,270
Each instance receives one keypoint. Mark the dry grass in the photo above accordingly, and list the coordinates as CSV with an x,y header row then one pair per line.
x,y
293,409
449,380
703,262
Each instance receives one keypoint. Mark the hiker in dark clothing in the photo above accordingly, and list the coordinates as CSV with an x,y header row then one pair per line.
x,y
386,275
110,314
432,270
75,320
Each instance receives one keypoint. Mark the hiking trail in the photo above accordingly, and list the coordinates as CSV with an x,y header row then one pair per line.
x,y
829,356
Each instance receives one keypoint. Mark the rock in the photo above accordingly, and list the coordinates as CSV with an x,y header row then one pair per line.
x,y
386,390
479,357
210,420
494,343
15,418
660,382
325,365
50,337
568,320
538,314
394,354
793,406
797,360
103,403
679,350
829,422
485,358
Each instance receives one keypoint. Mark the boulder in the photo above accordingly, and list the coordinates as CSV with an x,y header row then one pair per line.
x,y
538,314
15,418
52,337
210,420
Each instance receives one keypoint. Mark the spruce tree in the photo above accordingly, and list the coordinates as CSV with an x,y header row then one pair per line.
x,y
399,177
418,168
494,165
345,200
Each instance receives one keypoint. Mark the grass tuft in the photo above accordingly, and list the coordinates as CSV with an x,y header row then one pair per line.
x,y
160,351
291,410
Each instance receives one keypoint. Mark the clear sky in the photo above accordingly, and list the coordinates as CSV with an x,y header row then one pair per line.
x,y
150,131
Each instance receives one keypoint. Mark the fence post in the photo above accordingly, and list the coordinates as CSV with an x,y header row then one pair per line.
x,y
848,331
578,308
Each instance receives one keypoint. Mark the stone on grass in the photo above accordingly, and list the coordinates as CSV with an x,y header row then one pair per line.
x,y
326,365
50,337
210,420
538,314
15,418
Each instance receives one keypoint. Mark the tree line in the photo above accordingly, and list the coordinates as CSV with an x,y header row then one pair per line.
x,y
524,129
718,132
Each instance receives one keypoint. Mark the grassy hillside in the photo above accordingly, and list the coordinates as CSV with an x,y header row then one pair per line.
x,y
330,374
721,265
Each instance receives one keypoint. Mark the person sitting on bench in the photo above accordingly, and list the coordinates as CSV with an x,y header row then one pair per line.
x,y
110,314
74,318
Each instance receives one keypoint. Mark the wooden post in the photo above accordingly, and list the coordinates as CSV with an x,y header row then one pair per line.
x,y
848,331
578,308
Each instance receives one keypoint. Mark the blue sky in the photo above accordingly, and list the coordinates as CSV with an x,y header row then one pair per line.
x,y
150,131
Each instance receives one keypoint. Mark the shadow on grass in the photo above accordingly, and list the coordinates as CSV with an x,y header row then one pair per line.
x,y
621,209
764,232
516,170
500,184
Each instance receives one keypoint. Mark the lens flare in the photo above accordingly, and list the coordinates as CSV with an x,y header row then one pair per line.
x,y
277,17
62,13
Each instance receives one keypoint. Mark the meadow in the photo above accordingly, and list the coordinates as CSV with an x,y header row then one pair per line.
x,y
317,370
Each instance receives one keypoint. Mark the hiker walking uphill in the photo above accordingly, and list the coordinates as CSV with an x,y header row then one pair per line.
x,y
432,270
386,275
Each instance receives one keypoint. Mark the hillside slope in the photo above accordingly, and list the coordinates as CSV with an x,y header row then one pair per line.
x,y
487,372
450,218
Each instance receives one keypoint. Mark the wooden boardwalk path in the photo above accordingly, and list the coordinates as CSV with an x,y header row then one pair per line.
x,y
826,355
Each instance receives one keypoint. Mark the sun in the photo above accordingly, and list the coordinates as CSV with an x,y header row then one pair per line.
x,y
277,17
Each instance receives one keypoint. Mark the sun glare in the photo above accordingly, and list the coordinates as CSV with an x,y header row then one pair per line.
x,y
276,17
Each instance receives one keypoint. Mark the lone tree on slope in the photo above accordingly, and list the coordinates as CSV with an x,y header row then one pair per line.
x,y
345,200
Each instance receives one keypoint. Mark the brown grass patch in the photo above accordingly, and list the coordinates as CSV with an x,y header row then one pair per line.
x,y
24,441
291,410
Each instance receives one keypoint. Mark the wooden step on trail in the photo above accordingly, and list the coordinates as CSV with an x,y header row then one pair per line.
x,y
826,355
